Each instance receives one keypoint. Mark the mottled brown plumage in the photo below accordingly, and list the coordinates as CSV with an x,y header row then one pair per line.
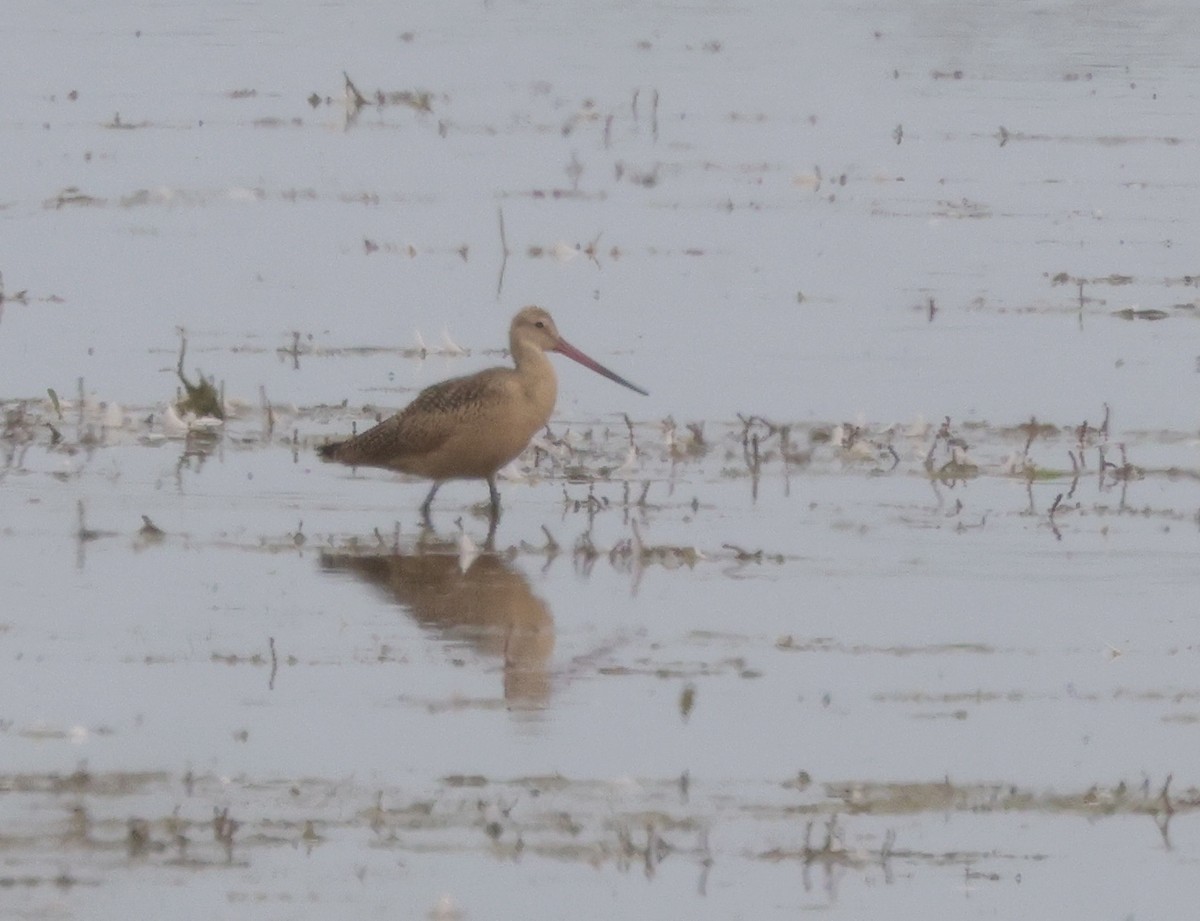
x,y
469,427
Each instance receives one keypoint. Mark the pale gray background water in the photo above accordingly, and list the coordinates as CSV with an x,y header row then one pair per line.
x,y
781,263
752,101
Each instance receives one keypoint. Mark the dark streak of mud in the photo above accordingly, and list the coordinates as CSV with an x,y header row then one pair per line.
x,y
639,823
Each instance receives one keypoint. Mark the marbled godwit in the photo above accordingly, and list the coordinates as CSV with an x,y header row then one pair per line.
x,y
469,427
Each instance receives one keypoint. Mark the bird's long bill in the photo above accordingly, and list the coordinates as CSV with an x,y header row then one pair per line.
x,y
571,352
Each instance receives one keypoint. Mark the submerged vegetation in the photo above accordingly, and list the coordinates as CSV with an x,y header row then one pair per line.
x,y
201,399
642,472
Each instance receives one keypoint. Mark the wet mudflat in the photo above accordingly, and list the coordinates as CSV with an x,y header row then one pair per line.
x,y
882,602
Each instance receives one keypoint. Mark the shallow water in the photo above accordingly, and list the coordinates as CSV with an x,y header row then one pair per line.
x,y
771,642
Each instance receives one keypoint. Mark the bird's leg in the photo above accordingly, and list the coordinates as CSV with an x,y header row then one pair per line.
x,y
427,503
491,481
489,545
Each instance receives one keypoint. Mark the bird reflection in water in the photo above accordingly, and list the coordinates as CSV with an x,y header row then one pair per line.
x,y
483,602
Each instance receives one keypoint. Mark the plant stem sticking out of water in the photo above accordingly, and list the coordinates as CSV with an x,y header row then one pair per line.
x,y
202,398
354,99
1054,508
504,254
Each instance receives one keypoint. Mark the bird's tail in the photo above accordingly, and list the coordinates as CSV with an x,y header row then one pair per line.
x,y
329,451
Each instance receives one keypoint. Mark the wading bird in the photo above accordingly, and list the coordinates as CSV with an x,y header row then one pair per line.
x,y
467,428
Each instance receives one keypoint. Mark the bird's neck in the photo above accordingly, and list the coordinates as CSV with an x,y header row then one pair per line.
x,y
535,372
526,356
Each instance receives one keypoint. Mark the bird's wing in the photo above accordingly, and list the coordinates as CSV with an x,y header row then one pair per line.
x,y
421,427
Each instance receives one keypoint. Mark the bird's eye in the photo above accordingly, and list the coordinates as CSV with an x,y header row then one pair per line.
x,y
540,325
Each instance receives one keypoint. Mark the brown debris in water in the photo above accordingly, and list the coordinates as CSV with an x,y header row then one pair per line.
x,y
202,398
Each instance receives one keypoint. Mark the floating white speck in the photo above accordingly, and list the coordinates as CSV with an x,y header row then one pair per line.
x,y
446,909
668,430
173,426
918,428
450,347
114,415
205,423
1013,464
162,195
630,464
511,471
468,552
558,450
78,734
564,252
177,426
